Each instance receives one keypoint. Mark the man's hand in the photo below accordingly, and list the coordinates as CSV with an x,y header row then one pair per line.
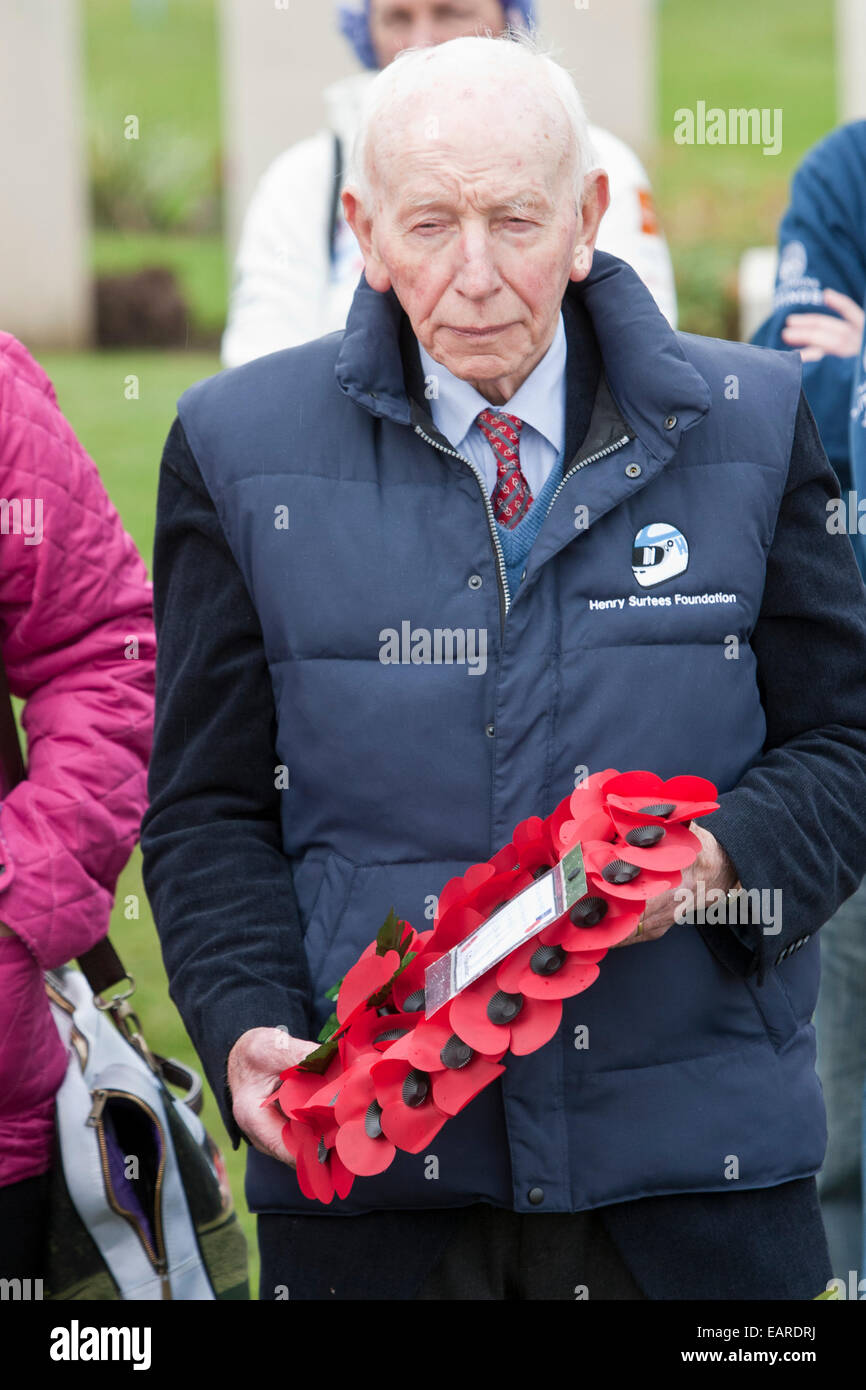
x,y
254,1067
712,866
818,334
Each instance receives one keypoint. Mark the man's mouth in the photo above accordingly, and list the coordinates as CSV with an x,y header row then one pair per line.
x,y
481,332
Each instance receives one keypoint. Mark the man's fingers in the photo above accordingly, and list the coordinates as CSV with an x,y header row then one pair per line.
x,y
262,1126
823,332
846,306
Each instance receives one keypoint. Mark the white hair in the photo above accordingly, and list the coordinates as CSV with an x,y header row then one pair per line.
x,y
417,71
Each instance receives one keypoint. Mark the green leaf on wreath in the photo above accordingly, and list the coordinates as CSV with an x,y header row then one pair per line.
x,y
318,1061
328,1028
390,934
335,989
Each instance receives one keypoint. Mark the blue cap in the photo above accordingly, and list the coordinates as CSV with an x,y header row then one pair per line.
x,y
354,21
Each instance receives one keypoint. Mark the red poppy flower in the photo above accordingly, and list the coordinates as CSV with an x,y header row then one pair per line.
x,y
371,1031
488,1019
609,868
455,1076
410,1117
321,1172
535,848
299,1086
366,977
458,1071
636,797
360,1141
540,971
662,848
583,814
595,922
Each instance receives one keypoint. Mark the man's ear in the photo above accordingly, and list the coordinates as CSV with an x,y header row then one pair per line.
x,y
596,199
362,225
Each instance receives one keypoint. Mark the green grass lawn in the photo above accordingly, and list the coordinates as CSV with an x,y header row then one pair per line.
x,y
717,200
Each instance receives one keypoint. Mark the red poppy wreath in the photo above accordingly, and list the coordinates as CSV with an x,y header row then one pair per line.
x,y
425,1020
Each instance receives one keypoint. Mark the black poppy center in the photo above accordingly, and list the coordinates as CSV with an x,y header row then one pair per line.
x,y
415,1088
547,960
658,808
372,1127
588,912
645,836
504,1008
456,1053
414,1001
392,1034
619,871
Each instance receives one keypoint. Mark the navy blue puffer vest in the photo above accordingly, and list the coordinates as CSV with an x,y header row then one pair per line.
x,y
612,653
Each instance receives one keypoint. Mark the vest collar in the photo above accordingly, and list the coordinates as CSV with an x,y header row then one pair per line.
x,y
649,377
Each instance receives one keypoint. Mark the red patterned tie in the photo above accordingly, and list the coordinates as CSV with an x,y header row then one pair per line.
x,y
511,496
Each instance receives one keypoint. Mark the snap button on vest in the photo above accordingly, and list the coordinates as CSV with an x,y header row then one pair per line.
x,y
490,730
475,581
633,470
536,1196
670,421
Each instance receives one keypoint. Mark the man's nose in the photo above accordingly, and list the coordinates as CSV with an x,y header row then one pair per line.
x,y
477,274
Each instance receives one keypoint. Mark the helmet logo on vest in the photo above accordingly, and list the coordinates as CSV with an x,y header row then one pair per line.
x,y
660,552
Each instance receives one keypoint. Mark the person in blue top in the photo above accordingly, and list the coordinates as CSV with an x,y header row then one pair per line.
x,y
821,281
819,311
634,527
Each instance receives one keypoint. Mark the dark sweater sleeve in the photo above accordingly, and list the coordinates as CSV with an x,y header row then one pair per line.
x,y
217,877
795,820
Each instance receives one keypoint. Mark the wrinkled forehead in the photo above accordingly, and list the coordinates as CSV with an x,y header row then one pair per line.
x,y
515,138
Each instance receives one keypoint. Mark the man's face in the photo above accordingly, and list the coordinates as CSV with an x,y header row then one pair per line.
x,y
399,24
475,227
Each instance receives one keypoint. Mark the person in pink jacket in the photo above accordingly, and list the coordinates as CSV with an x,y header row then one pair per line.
x,y
77,641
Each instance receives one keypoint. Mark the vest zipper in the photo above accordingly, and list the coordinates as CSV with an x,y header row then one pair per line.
x,y
593,458
504,591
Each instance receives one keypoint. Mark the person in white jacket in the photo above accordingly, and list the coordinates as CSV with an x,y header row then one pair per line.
x,y
298,263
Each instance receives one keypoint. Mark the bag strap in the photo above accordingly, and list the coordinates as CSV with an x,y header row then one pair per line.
x,y
334,214
101,965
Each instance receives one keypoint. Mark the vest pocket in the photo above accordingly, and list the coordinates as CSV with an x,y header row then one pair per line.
x,y
775,1009
322,921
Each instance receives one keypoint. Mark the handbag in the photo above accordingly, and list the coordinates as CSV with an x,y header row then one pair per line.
x,y
139,1203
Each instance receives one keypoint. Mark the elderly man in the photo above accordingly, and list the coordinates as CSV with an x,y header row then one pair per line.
x,y
648,565
298,262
